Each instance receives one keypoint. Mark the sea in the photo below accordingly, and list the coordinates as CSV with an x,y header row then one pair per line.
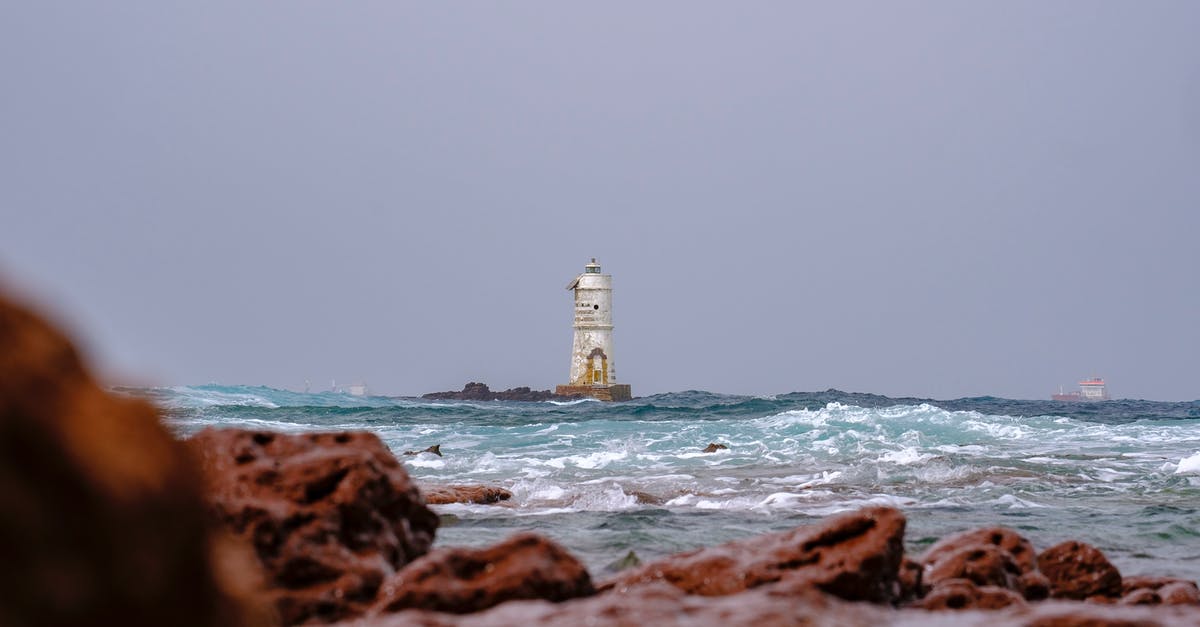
x,y
607,479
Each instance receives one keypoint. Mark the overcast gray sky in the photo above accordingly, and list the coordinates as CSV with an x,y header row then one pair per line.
x,y
921,198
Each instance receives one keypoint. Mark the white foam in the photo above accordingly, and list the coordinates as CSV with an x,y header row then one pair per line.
x,y
1189,465
575,402
905,456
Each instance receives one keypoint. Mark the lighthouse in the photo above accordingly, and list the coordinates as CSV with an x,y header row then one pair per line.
x,y
592,370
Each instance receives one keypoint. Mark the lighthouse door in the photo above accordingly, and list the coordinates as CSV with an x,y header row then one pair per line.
x,y
599,366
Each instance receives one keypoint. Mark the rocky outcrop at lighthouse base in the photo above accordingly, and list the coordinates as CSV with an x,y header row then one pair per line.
x,y
474,391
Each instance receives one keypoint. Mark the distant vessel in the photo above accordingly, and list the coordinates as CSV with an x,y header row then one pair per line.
x,y
1089,390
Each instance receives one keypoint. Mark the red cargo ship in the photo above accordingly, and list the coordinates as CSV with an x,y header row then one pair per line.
x,y
1089,390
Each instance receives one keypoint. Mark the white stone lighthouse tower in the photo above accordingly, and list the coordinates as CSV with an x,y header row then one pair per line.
x,y
592,370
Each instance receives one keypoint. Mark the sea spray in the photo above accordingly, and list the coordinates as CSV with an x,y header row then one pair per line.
x,y
606,478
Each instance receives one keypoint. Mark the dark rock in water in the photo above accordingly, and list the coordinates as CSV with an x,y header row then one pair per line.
x,y
964,594
645,498
102,522
1078,570
713,448
1018,547
854,556
474,391
330,515
477,494
460,580
436,449
630,560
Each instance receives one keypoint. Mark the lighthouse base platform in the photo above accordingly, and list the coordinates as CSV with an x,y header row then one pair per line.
x,y
614,392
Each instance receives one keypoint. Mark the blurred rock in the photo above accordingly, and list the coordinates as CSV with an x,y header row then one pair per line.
x,y
910,581
714,447
1078,570
964,594
460,580
330,515
985,565
103,521
1170,590
1017,546
854,556
659,604
1034,586
477,494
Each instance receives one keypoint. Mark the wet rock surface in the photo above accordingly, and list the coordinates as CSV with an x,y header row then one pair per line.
x,y
477,494
963,594
103,522
1078,570
853,556
460,580
475,391
1021,550
330,515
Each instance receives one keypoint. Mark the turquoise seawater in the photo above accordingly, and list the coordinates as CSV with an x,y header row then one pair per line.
x,y
607,478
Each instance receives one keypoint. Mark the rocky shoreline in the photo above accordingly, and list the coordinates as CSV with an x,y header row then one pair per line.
x,y
475,391
111,520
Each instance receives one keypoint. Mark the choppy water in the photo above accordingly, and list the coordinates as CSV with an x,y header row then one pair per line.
x,y
606,478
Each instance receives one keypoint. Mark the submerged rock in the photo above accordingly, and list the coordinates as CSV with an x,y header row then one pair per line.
x,y
330,515
477,494
630,560
436,449
474,391
854,556
714,447
460,580
103,521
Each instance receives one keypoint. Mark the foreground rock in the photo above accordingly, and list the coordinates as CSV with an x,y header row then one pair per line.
x,y
480,392
774,604
103,522
1078,570
330,515
525,566
477,494
853,556
658,604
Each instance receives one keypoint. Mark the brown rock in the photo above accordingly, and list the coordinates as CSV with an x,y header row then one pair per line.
x,y
1141,596
460,580
963,594
1021,549
854,556
1034,586
1078,570
330,515
477,494
713,448
910,580
1180,593
103,521
661,604
983,564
